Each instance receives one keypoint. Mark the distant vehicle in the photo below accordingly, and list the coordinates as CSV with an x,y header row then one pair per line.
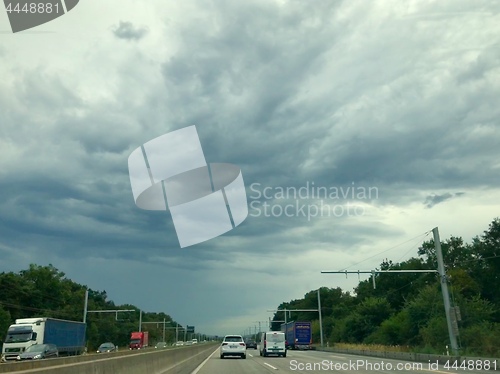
x,y
251,344
139,340
67,336
179,344
38,352
160,345
188,342
195,341
272,342
233,345
298,335
106,347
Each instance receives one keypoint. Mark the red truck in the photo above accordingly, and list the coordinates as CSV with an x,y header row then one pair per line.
x,y
139,340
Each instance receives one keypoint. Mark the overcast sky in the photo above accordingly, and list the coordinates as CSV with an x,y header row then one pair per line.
x,y
395,101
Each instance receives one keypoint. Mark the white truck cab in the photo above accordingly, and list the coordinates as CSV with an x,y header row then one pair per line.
x,y
23,334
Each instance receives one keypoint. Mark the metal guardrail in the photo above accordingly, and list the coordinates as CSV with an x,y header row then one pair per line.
x,y
494,363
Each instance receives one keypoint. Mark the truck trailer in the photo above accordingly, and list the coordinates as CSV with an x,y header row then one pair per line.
x,y
67,336
139,340
298,335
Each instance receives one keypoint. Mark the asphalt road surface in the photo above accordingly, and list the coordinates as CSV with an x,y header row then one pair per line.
x,y
305,362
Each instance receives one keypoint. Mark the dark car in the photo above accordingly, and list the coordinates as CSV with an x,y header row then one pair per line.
x,y
39,351
251,344
106,347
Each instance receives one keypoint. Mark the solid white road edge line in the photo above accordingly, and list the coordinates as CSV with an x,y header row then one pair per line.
x,y
203,363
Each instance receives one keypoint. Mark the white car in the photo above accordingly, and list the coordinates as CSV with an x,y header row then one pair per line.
x,y
233,345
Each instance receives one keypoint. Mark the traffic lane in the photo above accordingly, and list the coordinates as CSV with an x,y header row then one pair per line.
x,y
317,361
253,364
304,362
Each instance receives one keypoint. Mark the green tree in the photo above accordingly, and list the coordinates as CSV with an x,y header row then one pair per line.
x,y
396,330
435,333
487,265
46,291
363,321
15,293
396,287
5,321
481,339
455,253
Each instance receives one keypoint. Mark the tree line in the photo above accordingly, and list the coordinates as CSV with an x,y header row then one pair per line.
x,y
406,309
44,291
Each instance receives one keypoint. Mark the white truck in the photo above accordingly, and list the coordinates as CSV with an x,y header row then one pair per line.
x,y
67,336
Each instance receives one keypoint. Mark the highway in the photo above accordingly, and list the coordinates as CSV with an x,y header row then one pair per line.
x,y
204,359
305,362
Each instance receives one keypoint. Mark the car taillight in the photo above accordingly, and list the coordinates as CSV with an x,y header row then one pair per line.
x,y
243,344
224,343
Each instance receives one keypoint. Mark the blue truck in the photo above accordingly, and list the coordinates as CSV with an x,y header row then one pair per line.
x,y
67,336
298,335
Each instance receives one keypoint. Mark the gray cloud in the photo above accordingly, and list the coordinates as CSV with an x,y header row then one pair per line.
x,y
126,30
434,199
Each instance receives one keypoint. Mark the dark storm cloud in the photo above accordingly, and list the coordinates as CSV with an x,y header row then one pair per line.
x,y
399,135
241,80
433,200
126,30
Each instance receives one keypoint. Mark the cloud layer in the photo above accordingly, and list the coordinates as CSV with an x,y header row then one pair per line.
x,y
401,97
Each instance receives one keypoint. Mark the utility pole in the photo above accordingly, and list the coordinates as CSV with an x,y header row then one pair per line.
x,y
320,321
444,288
260,330
85,306
140,320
